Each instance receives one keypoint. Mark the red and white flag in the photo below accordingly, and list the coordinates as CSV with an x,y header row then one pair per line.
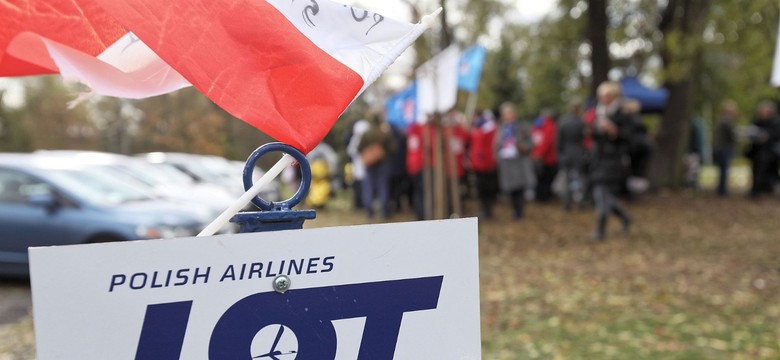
x,y
82,43
287,67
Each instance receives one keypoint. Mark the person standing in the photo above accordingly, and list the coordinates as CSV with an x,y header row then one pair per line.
x,y
358,170
571,154
513,147
415,165
376,148
764,137
694,156
483,162
544,136
725,141
611,131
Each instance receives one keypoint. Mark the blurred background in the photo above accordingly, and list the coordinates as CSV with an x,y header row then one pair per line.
x,y
698,277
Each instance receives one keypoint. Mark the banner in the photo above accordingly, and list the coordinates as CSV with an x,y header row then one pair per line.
x,y
470,68
437,83
401,108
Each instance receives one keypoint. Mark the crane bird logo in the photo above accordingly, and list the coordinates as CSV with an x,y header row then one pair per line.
x,y
282,340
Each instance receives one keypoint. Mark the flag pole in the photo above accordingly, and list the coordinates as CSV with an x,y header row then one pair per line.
x,y
427,172
255,190
452,164
471,105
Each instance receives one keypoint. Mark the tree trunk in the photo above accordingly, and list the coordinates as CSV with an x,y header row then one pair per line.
x,y
672,138
446,32
683,20
597,36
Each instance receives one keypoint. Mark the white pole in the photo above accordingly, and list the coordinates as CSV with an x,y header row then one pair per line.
x,y
471,106
239,204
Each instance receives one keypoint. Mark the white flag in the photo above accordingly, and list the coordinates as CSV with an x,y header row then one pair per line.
x,y
776,68
437,83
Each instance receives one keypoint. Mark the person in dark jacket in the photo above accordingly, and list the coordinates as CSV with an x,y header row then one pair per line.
x,y
611,131
724,144
571,154
377,181
764,138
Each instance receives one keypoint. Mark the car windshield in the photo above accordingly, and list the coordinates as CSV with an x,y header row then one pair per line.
x,y
198,169
219,166
96,188
152,175
172,175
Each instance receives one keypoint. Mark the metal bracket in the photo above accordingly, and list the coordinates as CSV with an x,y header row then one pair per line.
x,y
275,216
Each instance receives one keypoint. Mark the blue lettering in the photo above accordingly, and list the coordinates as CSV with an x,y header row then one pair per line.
x,y
198,275
229,274
182,276
296,266
256,268
141,276
118,279
308,313
312,264
328,263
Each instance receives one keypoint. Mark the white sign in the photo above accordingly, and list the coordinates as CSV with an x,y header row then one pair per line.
x,y
396,291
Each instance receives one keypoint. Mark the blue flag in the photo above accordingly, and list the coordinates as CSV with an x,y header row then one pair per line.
x,y
470,68
401,108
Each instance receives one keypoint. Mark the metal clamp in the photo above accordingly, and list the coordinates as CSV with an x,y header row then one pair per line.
x,y
276,215
303,189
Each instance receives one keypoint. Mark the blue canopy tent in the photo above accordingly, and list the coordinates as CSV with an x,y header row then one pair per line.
x,y
652,100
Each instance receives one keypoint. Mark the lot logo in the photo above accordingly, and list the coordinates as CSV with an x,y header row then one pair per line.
x,y
275,342
296,325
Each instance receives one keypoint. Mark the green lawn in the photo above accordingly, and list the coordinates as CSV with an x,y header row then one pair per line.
x,y
699,278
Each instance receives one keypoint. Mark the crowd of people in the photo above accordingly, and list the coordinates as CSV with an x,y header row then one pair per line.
x,y
602,152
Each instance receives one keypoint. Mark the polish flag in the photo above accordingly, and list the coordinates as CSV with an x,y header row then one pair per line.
x,y
289,68
82,43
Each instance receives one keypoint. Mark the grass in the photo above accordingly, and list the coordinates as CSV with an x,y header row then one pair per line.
x,y
698,278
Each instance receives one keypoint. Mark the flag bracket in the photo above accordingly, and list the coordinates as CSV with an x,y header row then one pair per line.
x,y
275,216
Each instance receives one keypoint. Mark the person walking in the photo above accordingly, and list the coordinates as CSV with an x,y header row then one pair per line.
x,y
571,154
724,144
513,147
358,170
376,148
764,138
483,162
611,131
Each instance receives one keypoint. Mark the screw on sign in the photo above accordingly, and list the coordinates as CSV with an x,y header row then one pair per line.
x,y
301,318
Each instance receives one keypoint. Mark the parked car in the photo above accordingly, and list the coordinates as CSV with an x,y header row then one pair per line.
x,y
164,181
213,170
45,202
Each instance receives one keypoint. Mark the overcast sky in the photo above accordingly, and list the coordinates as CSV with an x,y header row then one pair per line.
x,y
524,11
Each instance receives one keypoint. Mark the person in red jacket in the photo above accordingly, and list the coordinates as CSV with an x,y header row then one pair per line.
x,y
482,158
545,135
415,163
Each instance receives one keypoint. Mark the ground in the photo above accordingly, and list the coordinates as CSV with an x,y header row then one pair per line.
x,y
698,278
